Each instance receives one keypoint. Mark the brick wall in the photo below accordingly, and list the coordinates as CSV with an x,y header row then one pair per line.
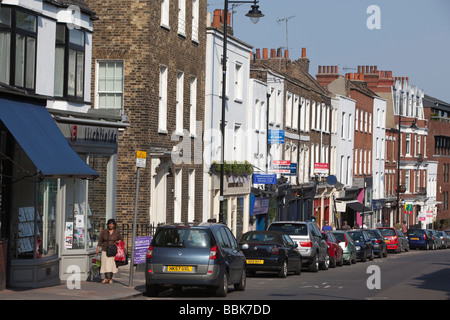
x,y
130,30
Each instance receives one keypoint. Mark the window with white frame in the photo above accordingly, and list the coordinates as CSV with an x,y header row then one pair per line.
x,y
195,19
308,115
272,106
109,86
407,181
288,109
193,106
356,120
295,113
191,198
182,17
318,115
162,114
343,125
370,123
179,103
238,82
408,144
313,115
350,129
165,4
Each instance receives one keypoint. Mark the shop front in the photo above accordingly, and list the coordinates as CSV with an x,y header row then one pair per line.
x,y
36,162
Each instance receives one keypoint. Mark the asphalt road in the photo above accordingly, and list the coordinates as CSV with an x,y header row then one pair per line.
x,y
414,275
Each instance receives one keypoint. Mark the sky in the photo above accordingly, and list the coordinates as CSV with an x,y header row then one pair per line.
x,y
411,38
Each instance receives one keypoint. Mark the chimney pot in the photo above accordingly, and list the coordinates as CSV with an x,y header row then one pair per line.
x,y
320,69
258,53
273,53
303,52
286,54
217,18
265,53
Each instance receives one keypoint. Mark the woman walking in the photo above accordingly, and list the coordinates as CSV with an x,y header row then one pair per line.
x,y
109,236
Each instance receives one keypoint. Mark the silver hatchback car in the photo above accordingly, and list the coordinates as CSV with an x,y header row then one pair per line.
x,y
194,254
311,244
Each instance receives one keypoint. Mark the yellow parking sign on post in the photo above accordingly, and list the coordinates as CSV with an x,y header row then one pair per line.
x,y
141,159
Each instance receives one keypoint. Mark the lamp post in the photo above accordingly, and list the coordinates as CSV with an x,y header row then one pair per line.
x,y
413,126
254,14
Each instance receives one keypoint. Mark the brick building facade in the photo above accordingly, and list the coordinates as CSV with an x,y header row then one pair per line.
x,y
160,51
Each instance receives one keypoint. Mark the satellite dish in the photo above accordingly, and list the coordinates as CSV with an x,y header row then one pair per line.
x,y
331,180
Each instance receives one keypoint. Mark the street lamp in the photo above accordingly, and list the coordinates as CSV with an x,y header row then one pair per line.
x,y
413,127
254,14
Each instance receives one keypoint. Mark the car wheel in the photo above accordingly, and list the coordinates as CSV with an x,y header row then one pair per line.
x,y
314,266
371,255
283,272
326,263
152,290
241,285
222,289
299,269
341,262
333,261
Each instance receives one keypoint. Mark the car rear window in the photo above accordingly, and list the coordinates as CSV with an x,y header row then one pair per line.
x,y
258,237
416,233
372,234
183,237
357,236
299,229
339,236
387,232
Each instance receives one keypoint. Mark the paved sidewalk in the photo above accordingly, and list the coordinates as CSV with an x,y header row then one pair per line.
x,y
89,290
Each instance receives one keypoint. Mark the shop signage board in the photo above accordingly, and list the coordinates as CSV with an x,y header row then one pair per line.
x,y
262,178
321,168
141,247
282,166
261,205
276,136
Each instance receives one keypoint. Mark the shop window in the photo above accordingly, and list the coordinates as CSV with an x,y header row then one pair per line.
x,y
88,206
33,231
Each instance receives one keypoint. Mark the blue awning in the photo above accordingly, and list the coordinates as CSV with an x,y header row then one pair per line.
x,y
37,133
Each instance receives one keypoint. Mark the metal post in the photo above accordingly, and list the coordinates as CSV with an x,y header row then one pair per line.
x,y
398,161
134,226
224,87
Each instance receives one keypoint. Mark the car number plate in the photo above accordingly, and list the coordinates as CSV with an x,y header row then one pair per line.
x,y
255,261
414,238
179,268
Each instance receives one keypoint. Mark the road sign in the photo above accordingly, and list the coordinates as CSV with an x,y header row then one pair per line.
x,y
141,159
408,208
261,178
281,166
276,136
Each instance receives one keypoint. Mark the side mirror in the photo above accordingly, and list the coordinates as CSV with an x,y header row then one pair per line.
x,y
244,246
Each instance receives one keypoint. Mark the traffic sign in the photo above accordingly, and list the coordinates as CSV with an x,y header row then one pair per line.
x,y
141,159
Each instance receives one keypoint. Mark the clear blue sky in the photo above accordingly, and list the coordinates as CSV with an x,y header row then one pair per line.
x,y
414,39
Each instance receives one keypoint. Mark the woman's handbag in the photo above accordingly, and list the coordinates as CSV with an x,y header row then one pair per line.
x,y
111,249
121,257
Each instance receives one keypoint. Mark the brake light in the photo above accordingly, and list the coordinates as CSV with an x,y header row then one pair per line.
x,y
275,250
214,253
378,241
424,237
149,252
307,244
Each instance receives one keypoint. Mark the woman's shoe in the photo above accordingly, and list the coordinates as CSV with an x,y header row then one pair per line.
x,y
105,281
111,281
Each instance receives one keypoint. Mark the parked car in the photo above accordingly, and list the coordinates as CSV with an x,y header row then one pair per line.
x,y
379,245
447,232
312,245
403,241
420,239
364,246
270,251
437,239
445,238
335,251
391,237
347,245
194,254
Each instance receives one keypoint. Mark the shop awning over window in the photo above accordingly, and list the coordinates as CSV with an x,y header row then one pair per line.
x,y
39,136
358,207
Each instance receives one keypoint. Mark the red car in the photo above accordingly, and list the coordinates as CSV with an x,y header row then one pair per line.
x,y
391,237
334,250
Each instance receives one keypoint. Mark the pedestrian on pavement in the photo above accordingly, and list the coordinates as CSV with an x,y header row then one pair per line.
x,y
345,226
108,236
404,227
327,227
378,224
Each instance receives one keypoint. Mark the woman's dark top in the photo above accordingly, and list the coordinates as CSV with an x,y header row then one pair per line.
x,y
103,241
